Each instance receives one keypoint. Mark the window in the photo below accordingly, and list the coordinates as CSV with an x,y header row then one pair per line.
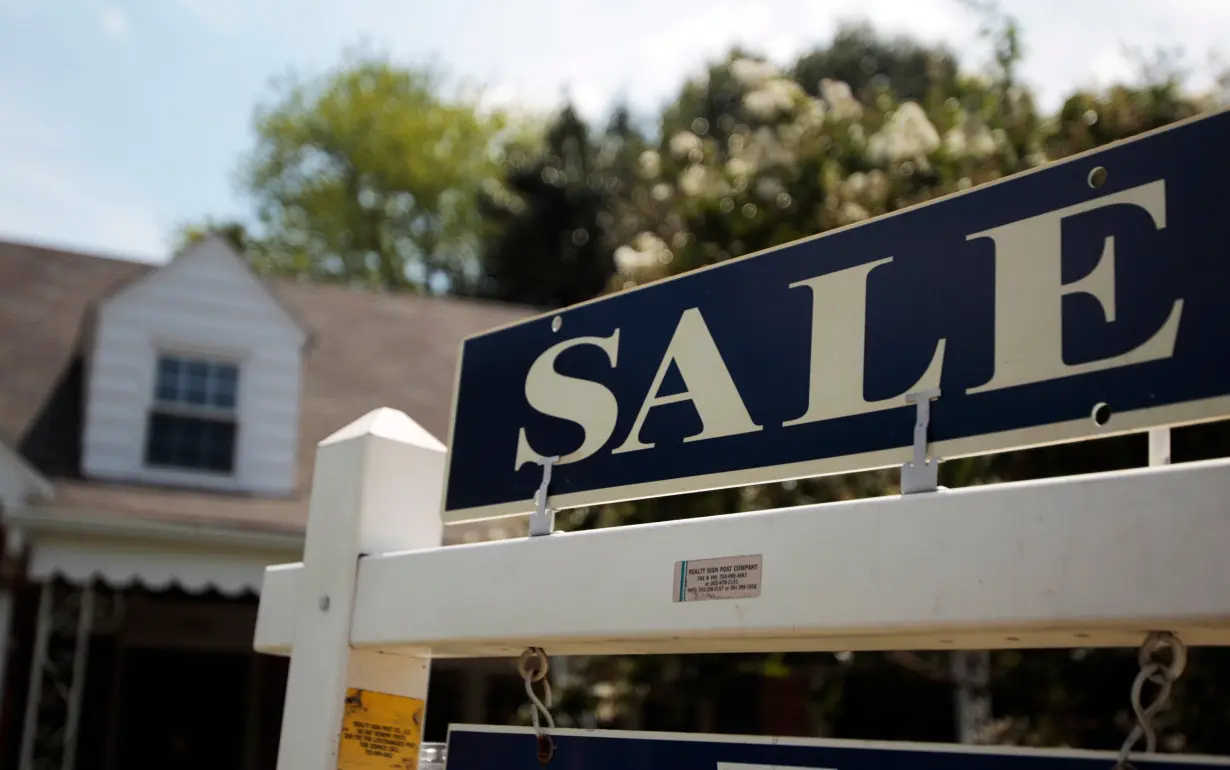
x,y
192,423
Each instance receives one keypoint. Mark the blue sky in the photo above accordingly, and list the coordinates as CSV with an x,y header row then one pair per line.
x,y
121,118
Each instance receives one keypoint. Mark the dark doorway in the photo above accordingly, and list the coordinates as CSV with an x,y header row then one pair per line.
x,y
182,709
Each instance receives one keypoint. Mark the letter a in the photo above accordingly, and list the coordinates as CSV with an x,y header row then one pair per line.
x,y
709,386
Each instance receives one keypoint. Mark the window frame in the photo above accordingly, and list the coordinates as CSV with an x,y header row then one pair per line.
x,y
180,408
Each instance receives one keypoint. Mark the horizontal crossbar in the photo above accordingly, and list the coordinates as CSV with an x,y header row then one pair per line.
x,y
1084,561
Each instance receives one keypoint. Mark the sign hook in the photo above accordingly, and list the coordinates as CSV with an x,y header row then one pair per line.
x,y
533,665
542,520
921,474
1160,674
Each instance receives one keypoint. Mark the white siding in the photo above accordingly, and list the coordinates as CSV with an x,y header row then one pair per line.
x,y
18,482
204,302
14,486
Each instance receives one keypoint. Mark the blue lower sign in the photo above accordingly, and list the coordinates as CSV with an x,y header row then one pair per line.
x,y
511,748
1083,298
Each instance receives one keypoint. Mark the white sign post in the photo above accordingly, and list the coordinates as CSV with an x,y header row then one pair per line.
x,y
376,489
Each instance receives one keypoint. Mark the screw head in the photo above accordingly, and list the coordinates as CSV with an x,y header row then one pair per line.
x,y
1101,414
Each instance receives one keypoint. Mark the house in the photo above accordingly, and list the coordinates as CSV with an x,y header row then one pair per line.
x,y
157,434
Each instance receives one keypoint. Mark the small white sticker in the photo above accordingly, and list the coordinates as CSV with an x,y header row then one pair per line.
x,y
731,577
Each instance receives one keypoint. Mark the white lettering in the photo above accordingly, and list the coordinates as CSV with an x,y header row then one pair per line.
x,y
838,339
584,402
1029,294
709,386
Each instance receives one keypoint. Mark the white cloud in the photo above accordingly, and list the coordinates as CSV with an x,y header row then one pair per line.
x,y
643,48
649,66
1071,45
1067,45
648,61
114,23
1109,65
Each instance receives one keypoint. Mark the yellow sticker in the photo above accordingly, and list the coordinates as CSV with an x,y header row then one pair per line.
x,y
380,731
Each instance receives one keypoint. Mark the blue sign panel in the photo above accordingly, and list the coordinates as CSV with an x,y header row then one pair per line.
x,y
507,748
1083,298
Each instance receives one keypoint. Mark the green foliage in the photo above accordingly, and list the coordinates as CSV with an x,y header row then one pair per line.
x,y
235,233
549,222
750,159
370,174
867,63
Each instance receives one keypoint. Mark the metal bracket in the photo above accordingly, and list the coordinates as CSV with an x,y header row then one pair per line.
x,y
922,474
542,520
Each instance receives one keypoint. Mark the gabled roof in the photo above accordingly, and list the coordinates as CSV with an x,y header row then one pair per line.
x,y
44,298
218,245
370,349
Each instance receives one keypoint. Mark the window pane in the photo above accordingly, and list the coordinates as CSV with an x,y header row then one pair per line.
x,y
167,386
161,441
224,386
168,366
167,394
219,447
196,380
191,436
191,442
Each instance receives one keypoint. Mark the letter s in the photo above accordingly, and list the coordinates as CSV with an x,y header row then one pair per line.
x,y
585,402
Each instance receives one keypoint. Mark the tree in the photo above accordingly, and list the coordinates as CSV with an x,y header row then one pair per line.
x,y
547,237
865,61
552,223
235,233
369,173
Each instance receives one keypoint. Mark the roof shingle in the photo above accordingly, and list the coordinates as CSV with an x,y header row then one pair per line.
x,y
370,349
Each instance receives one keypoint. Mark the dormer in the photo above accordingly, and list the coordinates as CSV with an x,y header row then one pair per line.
x,y
194,377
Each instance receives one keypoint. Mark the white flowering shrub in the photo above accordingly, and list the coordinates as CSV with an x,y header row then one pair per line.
x,y
749,159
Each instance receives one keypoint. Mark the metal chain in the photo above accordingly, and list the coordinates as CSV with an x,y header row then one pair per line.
x,y
538,673
1162,675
